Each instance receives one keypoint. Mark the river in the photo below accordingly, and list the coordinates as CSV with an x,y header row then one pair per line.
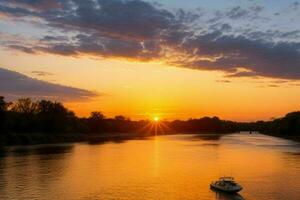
x,y
158,168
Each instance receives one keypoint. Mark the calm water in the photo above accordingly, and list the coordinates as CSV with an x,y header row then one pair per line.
x,y
160,168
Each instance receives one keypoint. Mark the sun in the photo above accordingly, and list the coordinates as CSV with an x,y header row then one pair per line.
x,y
156,119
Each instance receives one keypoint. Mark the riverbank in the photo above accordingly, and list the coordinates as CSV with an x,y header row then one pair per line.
x,y
23,139
15,139
294,138
19,139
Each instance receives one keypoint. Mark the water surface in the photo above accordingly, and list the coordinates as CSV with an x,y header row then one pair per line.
x,y
159,168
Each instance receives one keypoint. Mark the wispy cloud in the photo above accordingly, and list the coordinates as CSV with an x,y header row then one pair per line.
x,y
223,81
41,73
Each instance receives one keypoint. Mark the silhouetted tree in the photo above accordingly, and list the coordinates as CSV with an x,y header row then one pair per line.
x,y
25,106
96,122
288,126
2,104
122,124
24,115
53,117
3,110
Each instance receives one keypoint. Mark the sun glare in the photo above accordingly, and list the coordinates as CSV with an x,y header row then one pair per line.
x,y
156,119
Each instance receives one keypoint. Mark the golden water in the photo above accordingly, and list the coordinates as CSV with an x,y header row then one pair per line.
x,y
159,168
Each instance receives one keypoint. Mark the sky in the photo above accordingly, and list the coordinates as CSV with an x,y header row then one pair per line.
x,y
236,59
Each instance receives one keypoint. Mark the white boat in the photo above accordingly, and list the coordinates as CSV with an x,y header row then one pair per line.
x,y
226,184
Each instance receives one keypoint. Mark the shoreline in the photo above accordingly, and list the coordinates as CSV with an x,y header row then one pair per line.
x,y
25,139
294,138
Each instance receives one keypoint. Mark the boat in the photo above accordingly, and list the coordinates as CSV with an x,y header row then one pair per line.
x,y
226,184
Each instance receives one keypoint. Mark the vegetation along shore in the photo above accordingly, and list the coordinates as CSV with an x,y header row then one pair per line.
x,y
26,122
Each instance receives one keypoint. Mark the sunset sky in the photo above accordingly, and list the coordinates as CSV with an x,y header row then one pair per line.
x,y
236,59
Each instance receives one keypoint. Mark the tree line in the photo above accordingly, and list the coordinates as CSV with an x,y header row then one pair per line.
x,y
51,118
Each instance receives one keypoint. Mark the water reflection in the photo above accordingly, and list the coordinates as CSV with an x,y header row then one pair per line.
x,y
116,139
41,150
226,196
207,137
163,167
2,152
3,180
107,140
27,172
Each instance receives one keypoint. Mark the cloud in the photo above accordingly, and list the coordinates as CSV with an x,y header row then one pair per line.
x,y
237,12
22,48
135,29
223,81
273,86
272,35
15,85
37,5
48,38
41,73
295,5
115,18
259,58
